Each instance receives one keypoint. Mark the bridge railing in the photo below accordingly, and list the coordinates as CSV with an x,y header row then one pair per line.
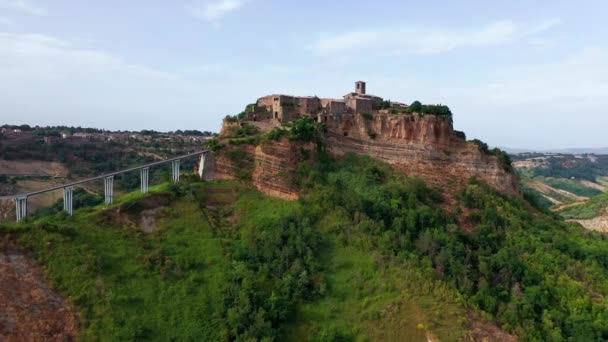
x,y
68,189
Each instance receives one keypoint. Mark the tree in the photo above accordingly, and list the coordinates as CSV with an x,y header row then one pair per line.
x,y
416,107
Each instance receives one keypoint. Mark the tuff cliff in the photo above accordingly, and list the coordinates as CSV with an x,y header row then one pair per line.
x,y
424,146
270,165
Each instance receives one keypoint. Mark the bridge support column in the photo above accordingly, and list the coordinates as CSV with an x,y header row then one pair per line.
x,y
201,167
108,185
21,207
68,195
175,165
145,175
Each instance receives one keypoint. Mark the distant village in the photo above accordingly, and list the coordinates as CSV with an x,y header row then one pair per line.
x,y
52,135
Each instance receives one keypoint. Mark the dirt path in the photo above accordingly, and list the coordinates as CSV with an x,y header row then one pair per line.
x,y
31,310
567,205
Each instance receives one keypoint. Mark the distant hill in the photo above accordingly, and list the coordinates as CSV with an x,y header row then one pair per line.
x,y
573,185
572,150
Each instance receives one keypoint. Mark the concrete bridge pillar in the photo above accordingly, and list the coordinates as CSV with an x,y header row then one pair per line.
x,y
108,184
21,207
68,195
206,167
201,166
175,165
145,175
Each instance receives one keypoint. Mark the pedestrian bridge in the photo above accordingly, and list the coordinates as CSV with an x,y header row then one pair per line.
x,y
108,180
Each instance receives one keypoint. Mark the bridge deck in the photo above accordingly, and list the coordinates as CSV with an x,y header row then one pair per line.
x,y
102,176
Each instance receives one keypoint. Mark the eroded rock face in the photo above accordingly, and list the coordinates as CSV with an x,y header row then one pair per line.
x,y
271,166
422,146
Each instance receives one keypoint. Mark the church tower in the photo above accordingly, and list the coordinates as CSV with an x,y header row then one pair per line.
x,y
360,87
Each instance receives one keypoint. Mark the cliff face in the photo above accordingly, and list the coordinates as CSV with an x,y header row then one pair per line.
x,y
422,146
271,166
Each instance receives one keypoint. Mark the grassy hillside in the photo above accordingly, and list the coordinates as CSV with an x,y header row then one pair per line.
x,y
588,210
366,254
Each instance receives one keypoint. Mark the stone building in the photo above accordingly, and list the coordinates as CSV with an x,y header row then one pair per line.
x,y
285,108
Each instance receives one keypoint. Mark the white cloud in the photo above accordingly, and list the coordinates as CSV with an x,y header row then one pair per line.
x,y
23,6
557,104
49,80
404,40
5,21
215,11
49,52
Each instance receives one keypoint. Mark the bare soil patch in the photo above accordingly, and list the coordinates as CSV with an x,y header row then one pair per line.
x,y
593,185
480,330
599,223
31,309
547,190
33,167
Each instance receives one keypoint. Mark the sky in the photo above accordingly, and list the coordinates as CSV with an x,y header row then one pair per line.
x,y
519,74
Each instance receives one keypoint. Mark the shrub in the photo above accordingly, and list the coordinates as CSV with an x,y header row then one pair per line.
x,y
503,159
276,134
303,129
247,130
483,147
367,116
231,118
371,133
415,107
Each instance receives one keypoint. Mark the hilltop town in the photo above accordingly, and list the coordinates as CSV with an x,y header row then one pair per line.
x,y
286,108
417,139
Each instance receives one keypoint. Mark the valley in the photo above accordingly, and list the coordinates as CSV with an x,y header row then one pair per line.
x,y
574,186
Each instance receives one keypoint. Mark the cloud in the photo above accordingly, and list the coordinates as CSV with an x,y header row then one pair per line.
x,y
215,11
50,80
5,21
23,7
49,52
406,40
557,104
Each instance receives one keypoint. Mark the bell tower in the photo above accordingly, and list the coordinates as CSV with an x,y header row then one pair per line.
x,y
360,87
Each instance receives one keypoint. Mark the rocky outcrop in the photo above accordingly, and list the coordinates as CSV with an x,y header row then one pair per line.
x,y
422,146
271,166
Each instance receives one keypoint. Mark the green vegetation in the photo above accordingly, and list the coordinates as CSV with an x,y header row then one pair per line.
x,y
573,187
133,286
276,133
365,253
587,210
306,129
371,133
417,107
568,166
461,135
367,116
536,197
503,157
243,161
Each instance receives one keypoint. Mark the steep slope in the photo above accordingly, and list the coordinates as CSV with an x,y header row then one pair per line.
x,y
366,253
